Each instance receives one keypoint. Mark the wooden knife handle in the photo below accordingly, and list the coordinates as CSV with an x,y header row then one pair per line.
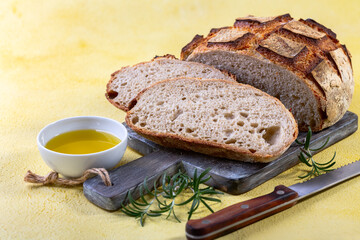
x,y
241,214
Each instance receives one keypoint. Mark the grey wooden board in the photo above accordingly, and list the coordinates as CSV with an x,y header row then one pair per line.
x,y
230,176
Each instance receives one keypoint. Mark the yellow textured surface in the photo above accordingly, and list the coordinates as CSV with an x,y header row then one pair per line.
x,y
55,60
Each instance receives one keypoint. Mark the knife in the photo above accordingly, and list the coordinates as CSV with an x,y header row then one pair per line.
x,y
245,213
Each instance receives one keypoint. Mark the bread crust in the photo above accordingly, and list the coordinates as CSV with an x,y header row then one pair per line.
x,y
110,94
305,48
206,147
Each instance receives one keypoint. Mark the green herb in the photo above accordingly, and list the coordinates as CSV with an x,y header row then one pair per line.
x,y
306,156
163,199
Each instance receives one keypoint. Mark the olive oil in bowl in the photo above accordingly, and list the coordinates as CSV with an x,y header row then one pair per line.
x,y
85,141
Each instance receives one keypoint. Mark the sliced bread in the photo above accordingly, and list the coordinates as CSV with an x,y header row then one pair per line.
x,y
126,83
299,62
215,117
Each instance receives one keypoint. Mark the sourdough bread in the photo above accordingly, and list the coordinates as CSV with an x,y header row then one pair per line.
x,y
299,62
215,117
126,83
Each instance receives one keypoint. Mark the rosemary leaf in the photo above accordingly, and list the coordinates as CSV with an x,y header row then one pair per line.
x,y
175,216
306,157
319,148
194,206
211,199
206,205
145,185
142,195
187,201
163,199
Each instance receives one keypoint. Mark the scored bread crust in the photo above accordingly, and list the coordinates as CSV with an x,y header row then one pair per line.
x,y
304,47
173,140
110,91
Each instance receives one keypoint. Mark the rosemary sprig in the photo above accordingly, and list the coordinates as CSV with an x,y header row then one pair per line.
x,y
163,199
306,156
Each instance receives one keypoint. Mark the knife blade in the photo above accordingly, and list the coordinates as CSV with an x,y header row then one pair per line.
x,y
245,213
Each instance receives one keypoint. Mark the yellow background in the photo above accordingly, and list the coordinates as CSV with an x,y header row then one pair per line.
x,y
55,60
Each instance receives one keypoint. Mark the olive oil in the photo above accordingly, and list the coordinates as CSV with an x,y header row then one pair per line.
x,y
82,142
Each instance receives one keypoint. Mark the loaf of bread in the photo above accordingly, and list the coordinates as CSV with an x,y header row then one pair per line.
x,y
126,83
216,117
299,62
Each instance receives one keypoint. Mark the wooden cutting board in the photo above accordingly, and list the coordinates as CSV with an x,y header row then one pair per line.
x,y
229,176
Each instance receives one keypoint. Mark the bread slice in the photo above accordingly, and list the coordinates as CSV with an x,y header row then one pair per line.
x,y
299,62
126,83
215,117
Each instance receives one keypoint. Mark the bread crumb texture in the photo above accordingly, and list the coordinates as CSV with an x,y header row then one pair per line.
x,y
126,83
217,112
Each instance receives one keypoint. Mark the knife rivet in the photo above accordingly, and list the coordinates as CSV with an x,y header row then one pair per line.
x,y
280,192
245,206
205,221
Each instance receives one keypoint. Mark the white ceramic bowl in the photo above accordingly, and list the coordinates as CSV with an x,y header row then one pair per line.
x,y
73,165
